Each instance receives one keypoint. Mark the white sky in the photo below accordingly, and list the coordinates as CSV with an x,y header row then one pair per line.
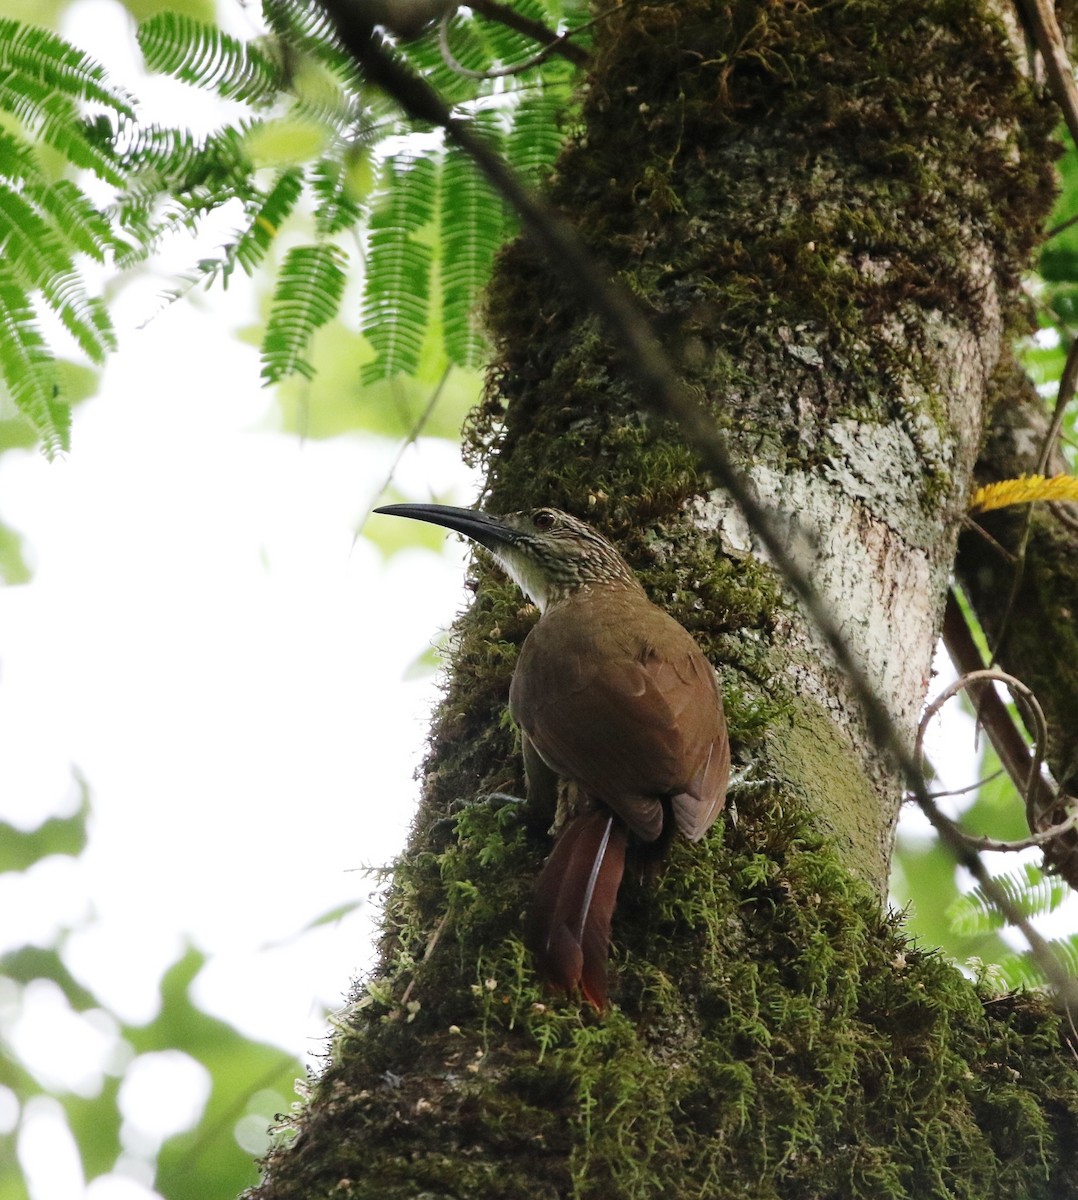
x,y
203,641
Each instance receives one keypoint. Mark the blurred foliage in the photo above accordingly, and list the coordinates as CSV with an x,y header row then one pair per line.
x,y
311,159
249,1081
20,849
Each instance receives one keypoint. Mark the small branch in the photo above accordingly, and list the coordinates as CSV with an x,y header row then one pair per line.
x,y
459,68
1034,839
1047,811
1062,227
1068,381
1041,22
970,787
1006,738
549,39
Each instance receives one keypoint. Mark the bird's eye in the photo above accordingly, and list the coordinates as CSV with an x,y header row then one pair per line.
x,y
544,519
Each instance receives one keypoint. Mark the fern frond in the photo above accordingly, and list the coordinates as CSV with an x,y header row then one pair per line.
x,y
266,218
18,162
396,300
469,46
208,58
83,316
1028,888
409,192
308,294
1022,970
54,118
473,226
27,367
33,53
69,208
535,140
507,44
39,254
337,208
306,28
1024,490
31,249
396,290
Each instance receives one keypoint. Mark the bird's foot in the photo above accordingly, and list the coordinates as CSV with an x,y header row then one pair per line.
x,y
499,798
740,781
741,786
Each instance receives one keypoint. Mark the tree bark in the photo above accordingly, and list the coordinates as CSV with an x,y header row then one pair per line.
x,y
827,210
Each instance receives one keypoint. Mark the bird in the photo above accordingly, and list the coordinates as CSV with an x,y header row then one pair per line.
x,y
615,699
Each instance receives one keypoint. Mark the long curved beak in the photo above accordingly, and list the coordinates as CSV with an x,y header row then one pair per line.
x,y
487,531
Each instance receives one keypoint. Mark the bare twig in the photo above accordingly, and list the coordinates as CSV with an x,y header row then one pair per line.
x,y
1006,738
969,523
410,439
1035,839
973,680
1002,729
1041,21
659,384
1061,227
451,62
552,41
970,787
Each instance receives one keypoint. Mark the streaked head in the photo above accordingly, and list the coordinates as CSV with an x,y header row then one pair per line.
x,y
547,552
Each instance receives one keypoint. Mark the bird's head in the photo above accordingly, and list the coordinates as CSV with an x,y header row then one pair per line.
x,y
548,553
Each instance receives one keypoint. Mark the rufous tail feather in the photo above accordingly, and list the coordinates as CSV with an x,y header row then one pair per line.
x,y
568,926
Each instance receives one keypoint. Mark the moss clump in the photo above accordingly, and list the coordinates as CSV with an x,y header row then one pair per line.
x,y
773,1037
801,195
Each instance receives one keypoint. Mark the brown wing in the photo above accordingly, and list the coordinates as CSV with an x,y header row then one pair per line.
x,y
616,696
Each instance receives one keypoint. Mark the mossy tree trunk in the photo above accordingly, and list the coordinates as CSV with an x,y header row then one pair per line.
x,y
827,209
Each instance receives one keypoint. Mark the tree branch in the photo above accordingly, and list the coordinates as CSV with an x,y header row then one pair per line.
x,y
553,42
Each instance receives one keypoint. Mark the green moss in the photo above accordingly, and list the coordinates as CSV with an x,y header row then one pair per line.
x,y
773,1038
771,205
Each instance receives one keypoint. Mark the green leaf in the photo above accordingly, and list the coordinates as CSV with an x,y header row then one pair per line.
x,y
308,294
535,141
68,208
336,187
28,368
508,47
55,119
29,52
1023,971
408,194
307,29
20,848
334,915
14,569
33,251
473,226
240,1070
84,317
36,253
203,55
396,292
1032,892
469,46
